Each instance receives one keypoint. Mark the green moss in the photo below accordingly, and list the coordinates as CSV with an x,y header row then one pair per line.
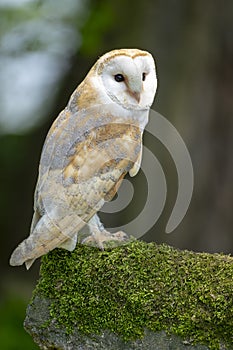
x,y
138,286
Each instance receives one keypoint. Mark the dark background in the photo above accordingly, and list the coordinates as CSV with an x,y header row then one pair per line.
x,y
47,47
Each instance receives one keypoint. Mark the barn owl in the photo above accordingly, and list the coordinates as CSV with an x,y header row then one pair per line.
x,y
94,142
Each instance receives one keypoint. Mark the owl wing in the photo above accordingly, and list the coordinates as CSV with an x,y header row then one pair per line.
x,y
83,160
85,156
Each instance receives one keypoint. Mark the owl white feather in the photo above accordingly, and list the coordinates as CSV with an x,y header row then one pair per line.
x,y
95,141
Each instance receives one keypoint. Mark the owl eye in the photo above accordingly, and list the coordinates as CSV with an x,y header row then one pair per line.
x,y
119,77
143,76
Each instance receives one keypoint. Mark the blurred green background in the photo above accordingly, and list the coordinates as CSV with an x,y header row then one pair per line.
x,y
47,47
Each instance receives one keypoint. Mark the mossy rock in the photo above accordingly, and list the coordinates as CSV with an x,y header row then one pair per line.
x,y
137,296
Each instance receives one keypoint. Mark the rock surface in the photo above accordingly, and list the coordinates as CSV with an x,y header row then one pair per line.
x,y
51,337
133,297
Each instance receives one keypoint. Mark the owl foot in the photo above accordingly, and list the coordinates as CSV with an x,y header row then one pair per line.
x,y
104,239
101,238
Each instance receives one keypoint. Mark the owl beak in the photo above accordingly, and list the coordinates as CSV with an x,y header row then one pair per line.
x,y
134,88
135,94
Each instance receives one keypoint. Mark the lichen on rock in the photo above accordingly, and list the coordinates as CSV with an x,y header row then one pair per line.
x,y
135,289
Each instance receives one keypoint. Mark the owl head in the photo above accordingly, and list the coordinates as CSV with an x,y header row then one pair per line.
x,y
126,77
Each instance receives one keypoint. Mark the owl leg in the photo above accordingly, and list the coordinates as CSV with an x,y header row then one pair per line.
x,y
96,223
99,235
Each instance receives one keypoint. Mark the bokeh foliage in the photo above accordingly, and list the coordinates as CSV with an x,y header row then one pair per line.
x,y
12,334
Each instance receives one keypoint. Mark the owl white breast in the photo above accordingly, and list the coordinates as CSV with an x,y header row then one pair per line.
x,y
90,147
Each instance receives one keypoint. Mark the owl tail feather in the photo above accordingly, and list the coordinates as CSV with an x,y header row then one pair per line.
x,y
28,263
44,238
20,256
